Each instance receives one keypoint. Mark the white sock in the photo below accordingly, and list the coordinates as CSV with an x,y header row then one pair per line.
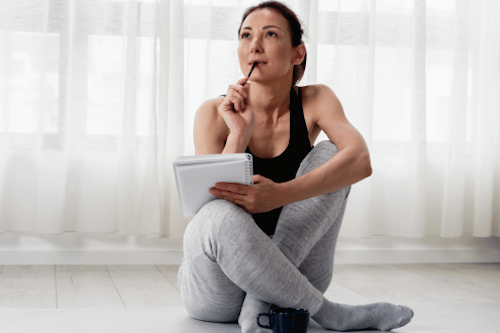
x,y
382,316
250,309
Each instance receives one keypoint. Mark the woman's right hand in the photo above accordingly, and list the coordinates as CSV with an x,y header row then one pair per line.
x,y
236,111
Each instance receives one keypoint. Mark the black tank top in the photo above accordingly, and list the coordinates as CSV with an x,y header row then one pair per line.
x,y
284,167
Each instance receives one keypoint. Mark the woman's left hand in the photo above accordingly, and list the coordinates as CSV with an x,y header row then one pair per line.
x,y
262,196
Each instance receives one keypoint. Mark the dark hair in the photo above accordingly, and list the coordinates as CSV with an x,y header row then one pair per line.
x,y
295,28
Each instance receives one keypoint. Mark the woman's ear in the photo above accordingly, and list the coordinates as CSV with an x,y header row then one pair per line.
x,y
300,53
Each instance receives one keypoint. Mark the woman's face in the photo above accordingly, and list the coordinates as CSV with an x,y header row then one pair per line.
x,y
265,38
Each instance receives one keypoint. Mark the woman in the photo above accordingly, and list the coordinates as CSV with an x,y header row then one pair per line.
x,y
273,242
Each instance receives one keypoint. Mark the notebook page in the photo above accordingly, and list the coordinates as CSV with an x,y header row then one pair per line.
x,y
209,158
194,181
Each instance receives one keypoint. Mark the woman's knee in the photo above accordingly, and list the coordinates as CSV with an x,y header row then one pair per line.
x,y
219,212
320,154
215,212
217,217
328,146
325,149
218,206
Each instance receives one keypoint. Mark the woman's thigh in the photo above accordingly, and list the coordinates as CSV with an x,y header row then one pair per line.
x,y
207,292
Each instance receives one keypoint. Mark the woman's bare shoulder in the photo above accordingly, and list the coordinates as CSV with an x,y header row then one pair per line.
x,y
320,99
315,97
209,107
208,113
319,102
317,93
210,128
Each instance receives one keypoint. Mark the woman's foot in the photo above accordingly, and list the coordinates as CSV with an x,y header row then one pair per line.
x,y
250,309
381,316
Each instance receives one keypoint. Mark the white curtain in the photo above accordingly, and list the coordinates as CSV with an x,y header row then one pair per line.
x,y
91,116
97,97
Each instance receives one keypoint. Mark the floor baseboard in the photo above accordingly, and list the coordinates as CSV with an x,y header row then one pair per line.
x,y
174,257
78,249
416,256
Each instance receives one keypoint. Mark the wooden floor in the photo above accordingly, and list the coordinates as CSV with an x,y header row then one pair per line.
x,y
110,286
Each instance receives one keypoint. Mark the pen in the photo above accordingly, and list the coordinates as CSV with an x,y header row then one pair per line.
x,y
251,69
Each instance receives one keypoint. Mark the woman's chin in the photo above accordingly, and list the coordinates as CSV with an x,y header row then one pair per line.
x,y
267,80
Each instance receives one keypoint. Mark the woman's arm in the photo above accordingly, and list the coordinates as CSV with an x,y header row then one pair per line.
x,y
350,165
225,125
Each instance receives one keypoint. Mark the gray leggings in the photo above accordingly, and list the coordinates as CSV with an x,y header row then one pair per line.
x,y
226,255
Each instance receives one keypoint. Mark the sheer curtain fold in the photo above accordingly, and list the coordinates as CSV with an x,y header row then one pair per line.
x,y
455,168
149,204
416,226
487,126
88,147
98,97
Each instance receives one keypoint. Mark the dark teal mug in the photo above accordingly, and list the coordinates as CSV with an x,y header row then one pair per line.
x,y
286,320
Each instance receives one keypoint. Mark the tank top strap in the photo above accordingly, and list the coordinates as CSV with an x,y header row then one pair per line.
x,y
298,128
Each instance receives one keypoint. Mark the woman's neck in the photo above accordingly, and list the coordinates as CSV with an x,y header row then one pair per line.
x,y
270,100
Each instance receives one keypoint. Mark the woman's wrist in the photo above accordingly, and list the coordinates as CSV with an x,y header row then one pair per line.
x,y
235,144
293,190
285,193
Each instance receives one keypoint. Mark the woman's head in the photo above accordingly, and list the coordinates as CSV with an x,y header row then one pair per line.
x,y
274,28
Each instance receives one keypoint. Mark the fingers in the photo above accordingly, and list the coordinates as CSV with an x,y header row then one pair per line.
x,y
237,101
235,193
231,196
237,94
232,187
241,195
239,89
242,81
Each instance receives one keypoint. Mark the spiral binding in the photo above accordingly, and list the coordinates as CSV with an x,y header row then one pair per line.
x,y
249,170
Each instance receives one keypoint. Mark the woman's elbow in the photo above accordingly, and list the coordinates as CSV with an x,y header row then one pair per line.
x,y
365,165
368,170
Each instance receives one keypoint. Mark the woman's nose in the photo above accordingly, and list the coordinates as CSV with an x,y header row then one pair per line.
x,y
256,46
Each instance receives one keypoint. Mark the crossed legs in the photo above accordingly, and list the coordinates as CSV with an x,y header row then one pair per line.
x,y
226,255
232,270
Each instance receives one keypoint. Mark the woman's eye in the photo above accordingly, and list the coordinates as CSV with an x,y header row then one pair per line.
x,y
272,34
245,35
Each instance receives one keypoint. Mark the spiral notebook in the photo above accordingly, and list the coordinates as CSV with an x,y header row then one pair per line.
x,y
195,175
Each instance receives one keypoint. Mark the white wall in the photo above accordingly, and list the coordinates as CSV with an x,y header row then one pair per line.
x,y
112,249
